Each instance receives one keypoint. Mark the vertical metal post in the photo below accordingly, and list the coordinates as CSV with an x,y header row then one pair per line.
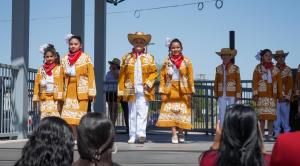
x,y
19,58
206,110
232,42
100,53
212,109
77,17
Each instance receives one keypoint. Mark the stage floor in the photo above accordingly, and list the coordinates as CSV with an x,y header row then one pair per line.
x,y
157,151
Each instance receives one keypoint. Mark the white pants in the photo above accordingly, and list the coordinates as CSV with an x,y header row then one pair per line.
x,y
283,114
138,111
223,102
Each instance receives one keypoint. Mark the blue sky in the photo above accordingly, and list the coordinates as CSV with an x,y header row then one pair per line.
x,y
258,24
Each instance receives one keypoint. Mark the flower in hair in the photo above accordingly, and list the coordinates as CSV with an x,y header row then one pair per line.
x,y
258,56
43,47
68,37
168,41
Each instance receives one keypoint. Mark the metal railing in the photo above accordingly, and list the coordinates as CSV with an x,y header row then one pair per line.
x,y
7,114
33,113
204,106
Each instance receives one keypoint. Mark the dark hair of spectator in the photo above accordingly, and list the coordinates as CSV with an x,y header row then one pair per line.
x,y
241,144
51,144
96,138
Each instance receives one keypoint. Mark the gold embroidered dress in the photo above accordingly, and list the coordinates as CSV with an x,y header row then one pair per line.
x,y
48,91
80,87
176,106
268,91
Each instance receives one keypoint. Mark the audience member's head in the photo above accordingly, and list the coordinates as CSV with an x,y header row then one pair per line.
x,y
286,150
241,142
95,140
51,144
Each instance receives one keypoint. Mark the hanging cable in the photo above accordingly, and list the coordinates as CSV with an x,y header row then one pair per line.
x,y
200,6
137,12
219,4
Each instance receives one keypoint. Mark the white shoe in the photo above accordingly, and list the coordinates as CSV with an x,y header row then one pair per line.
x,y
174,139
131,141
181,140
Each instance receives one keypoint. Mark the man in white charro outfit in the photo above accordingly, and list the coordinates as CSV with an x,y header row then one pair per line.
x,y
136,84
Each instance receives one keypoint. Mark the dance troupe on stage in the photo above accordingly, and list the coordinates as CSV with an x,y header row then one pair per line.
x,y
65,87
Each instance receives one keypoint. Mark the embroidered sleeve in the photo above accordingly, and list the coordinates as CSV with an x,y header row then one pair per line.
x,y
289,85
153,74
216,83
162,78
238,84
255,80
121,82
279,86
191,77
36,89
91,79
59,77
297,84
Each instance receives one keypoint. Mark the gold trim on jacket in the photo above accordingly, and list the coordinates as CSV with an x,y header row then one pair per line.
x,y
186,77
233,81
39,93
85,76
126,89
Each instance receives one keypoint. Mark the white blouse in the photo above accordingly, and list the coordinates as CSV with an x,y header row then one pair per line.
x,y
70,70
175,75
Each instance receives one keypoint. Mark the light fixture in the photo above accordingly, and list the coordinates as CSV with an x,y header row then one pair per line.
x,y
115,2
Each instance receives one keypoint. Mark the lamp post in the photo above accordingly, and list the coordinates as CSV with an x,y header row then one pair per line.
x,y
232,43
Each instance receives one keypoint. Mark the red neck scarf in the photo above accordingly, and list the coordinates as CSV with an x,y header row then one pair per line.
x,y
73,57
227,65
137,53
267,65
281,66
177,60
48,68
